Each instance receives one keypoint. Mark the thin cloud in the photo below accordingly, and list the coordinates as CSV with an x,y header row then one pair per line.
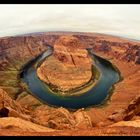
x,y
115,19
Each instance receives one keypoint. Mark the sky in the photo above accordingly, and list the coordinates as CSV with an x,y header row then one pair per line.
x,y
121,20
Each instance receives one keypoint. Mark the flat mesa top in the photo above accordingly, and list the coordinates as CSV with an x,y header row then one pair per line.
x,y
69,66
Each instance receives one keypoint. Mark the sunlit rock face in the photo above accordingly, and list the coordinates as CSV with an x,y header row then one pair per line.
x,y
70,65
61,118
16,51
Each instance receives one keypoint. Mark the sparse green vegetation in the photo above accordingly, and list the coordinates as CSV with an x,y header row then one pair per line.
x,y
79,90
10,81
22,94
12,91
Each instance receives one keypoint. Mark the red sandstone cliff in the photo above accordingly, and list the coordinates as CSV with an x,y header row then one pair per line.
x,y
119,117
69,67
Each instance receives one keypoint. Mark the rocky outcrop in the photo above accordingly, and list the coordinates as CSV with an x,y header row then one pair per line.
x,y
82,119
16,51
119,48
15,116
127,114
133,109
61,118
28,101
137,58
10,108
128,52
53,118
104,131
134,123
18,124
69,67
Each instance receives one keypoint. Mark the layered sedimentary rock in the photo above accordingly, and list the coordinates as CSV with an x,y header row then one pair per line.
x,y
14,53
10,108
61,118
18,124
69,67
120,48
18,50
130,116
130,112
43,118
123,106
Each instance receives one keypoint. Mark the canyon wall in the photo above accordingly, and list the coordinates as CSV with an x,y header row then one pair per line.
x,y
120,114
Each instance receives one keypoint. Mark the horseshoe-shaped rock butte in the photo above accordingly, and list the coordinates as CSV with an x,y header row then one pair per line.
x,y
69,67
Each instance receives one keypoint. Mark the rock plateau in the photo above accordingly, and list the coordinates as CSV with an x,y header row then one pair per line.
x,y
69,67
